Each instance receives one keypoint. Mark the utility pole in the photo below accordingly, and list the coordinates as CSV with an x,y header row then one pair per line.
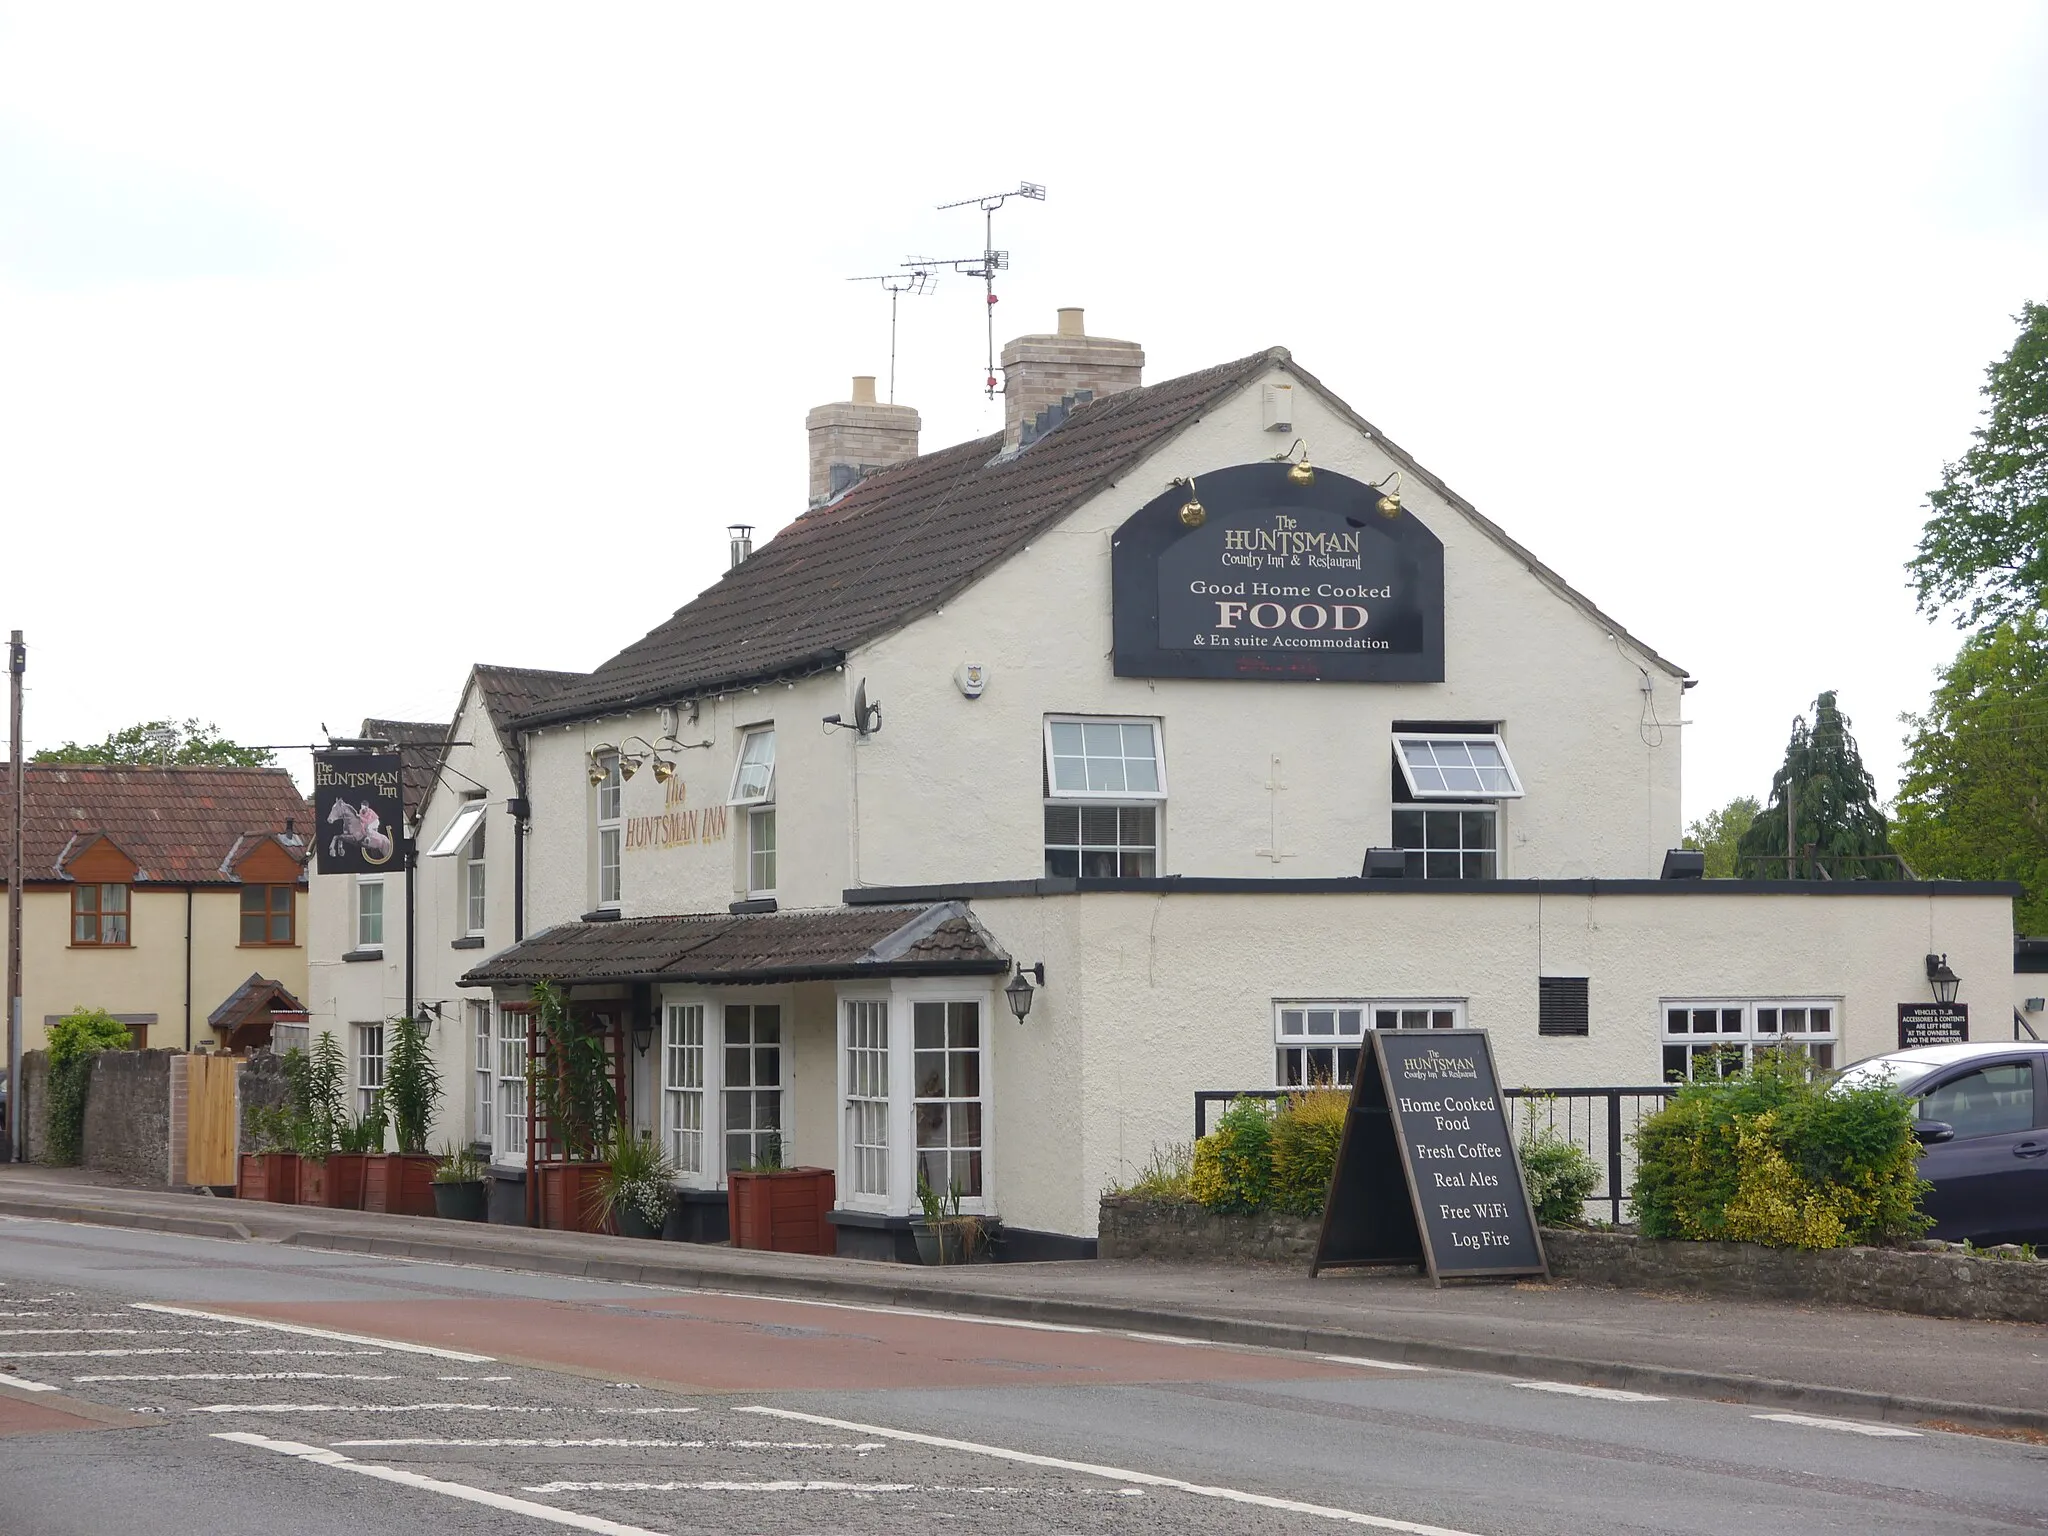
x,y
17,665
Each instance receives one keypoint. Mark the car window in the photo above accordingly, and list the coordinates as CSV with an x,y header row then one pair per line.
x,y
1985,1102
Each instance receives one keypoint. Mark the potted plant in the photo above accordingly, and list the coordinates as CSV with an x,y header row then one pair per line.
x,y
319,1114
401,1183
638,1187
270,1169
358,1142
778,1208
569,1086
945,1235
458,1185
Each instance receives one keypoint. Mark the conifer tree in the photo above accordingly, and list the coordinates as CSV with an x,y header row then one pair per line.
x,y
1834,805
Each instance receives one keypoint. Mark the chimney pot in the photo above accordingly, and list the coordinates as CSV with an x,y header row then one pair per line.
x,y
1070,323
863,389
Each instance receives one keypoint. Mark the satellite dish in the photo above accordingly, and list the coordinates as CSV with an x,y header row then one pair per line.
x,y
867,718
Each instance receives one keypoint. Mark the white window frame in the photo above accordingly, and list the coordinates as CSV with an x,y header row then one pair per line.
x,y
1511,791
368,883
902,997
782,1087
1299,1040
866,1066
456,835
483,1069
611,835
742,793
508,1147
1459,808
684,1101
475,886
1740,1045
1053,791
370,1045
978,1203
763,864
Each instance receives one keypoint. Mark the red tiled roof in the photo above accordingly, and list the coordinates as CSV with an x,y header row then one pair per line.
x,y
179,824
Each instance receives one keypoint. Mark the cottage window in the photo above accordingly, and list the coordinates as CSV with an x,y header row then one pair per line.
x,y
761,852
510,1145
1448,842
867,1095
370,913
1710,1037
456,835
473,885
753,1082
682,1086
946,1073
482,1067
1456,767
99,915
267,913
1317,1044
369,1067
611,833
1104,781
753,794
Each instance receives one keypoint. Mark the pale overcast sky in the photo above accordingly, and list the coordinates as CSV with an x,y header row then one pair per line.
x,y
341,347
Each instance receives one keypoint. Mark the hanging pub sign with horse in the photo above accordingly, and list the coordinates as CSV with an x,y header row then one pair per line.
x,y
361,816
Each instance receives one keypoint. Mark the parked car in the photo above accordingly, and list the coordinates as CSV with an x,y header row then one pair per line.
x,y
1981,1112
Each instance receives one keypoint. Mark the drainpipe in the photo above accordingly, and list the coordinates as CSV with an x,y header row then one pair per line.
x,y
188,970
411,866
522,812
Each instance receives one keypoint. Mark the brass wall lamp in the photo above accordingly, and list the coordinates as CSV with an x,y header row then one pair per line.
x,y
1390,500
1192,512
599,768
1299,471
629,764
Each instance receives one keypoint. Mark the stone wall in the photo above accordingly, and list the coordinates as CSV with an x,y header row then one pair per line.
x,y
32,1102
1933,1284
128,1116
261,1085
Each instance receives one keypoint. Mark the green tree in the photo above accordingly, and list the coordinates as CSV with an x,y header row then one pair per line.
x,y
1974,802
161,741
1834,803
1984,552
1717,833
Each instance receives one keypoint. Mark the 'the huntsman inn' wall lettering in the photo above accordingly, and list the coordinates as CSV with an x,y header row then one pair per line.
x,y
1278,581
677,826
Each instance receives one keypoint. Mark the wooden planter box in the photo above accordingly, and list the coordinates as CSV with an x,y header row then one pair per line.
x,y
272,1176
568,1191
335,1182
784,1212
400,1183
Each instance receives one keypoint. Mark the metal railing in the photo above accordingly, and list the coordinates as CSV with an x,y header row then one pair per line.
x,y
1601,1121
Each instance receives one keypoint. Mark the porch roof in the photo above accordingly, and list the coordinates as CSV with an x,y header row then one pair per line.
x,y
829,944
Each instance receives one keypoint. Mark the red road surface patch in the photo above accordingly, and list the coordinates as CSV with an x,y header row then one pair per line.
x,y
19,1416
716,1343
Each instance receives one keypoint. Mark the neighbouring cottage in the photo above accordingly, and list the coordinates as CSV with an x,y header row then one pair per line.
x,y
1163,743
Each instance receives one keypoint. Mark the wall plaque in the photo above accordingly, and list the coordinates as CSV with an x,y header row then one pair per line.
x,y
1933,1024
1277,581
1426,1172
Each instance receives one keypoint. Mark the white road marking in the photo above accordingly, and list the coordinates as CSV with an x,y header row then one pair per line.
x,y
856,1306
7,1380
1606,1394
77,1354
399,1475
549,1444
1886,1431
367,1408
323,1353
779,1485
159,1333
1118,1474
321,1333
241,1376
1378,1365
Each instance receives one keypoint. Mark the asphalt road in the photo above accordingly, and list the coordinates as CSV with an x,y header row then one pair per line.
x,y
152,1384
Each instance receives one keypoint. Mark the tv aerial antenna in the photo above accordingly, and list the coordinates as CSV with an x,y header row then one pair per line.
x,y
989,262
896,284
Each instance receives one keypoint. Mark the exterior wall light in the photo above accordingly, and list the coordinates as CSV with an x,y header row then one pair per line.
x,y
1020,991
1192,512
1942,979
1299,472
643,1032
1390,500
600,770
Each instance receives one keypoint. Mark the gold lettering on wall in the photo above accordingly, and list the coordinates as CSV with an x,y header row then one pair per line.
x,y
678,826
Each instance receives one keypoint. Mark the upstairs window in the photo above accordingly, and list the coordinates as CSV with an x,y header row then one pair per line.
x,y
1456,767
1104,781
611,833
267,912
753,791
99,915
1446,819
473,884
369,914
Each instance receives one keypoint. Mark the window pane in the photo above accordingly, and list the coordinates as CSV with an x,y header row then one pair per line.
x,y
252,926
1099,740
1407,829
1099,826
1322,1021
1441,866
1476,827
113,898
1062,864
253,898
281,928
1106,776
1063,824
929,1026
1677,1021
1066,738
1291,1022
1991,1101
1350,1021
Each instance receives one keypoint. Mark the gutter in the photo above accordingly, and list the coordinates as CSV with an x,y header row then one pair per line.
x,y
670,693
1224,885
763,976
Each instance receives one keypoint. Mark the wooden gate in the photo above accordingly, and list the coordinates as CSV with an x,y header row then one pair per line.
x,y
210,1118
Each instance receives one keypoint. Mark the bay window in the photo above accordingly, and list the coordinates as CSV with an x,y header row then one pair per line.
x,y
509,1146
866,1023
682,1087
947,1107
752,1080
482,1069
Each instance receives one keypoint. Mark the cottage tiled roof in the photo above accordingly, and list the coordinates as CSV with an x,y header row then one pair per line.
x,y
896,546
179,824
252,1002
421,744
757,947
510,692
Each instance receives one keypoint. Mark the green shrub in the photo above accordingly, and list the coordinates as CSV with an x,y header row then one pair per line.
x,y
1773,1156
1233,1166
1307,1132
412,1083
1560,1175
1165,1175
73,1041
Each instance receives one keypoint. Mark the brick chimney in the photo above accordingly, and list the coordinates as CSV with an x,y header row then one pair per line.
x,y
1048,375
854,438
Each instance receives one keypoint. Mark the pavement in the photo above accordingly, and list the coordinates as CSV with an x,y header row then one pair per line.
x,y
1865,1363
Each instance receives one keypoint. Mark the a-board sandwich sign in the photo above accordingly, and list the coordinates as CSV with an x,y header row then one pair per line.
x,y
1426,1172
359,811
1933,1024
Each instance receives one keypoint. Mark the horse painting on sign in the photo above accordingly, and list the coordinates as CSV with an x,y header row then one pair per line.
x,y
362,834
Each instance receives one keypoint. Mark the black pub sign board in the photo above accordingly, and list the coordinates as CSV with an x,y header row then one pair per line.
x,y
1426,1173
1278,582
1933,1024
357,810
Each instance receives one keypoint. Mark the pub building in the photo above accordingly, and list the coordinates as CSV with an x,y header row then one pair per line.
x,y
1166,742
